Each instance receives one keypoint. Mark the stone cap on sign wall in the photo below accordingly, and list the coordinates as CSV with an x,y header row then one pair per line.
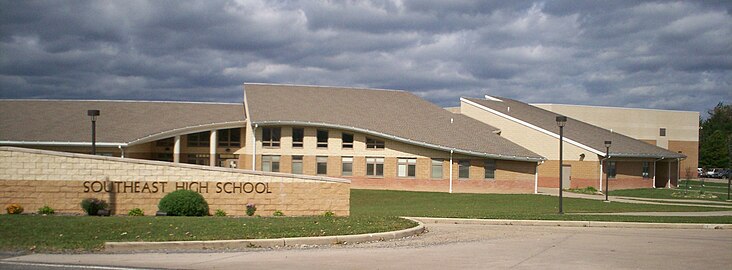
x,y
171,164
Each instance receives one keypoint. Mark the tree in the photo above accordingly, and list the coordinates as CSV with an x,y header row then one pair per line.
x,y
715,137
715,151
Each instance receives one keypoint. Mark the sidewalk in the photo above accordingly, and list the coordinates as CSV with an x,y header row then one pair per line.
x,y
679,202
664,214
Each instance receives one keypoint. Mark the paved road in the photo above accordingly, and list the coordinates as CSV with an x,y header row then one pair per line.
x,y
451,246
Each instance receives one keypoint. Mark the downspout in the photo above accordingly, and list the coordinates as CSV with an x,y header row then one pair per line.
x,y
122,151
254,147
450,171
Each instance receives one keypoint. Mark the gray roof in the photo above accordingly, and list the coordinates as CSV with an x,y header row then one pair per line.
x,y
120,122
396,115
581,132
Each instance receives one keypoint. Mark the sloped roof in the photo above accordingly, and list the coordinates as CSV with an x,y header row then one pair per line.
x,y
120,122
578,131
396,115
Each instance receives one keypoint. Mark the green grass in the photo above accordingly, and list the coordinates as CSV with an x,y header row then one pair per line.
x,y
508,206
85,233
712,191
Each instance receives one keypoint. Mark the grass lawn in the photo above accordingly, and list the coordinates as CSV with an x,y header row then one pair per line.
x,y
712,191
85,233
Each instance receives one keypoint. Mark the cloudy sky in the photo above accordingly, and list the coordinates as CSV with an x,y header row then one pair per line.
x,y
657,54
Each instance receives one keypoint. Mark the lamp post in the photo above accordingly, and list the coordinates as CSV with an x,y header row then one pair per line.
x,y
93,114
561,121
607,169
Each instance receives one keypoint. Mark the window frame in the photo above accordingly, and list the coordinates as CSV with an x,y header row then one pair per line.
x,y
225,137
612,169
297,159
301,142
489,163
344,143
434,163
462,162
662,132
321,160
407,164
375,162
323,144
646,170
273,161
375,144
346,160
199,139
271,142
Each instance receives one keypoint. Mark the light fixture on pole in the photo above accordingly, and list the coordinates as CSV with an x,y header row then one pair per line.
x,y
607,168
93,114
561,121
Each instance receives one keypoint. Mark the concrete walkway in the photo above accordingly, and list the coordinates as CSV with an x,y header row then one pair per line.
x,y
664,214
681,202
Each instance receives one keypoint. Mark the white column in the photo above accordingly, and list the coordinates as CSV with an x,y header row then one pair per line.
x,y
254,147
601,163
212,148
450,171
176,150
536,179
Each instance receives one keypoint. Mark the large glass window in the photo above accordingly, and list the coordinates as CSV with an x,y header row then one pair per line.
x,y
646,169
437,168
298,134
374,144
347,166
167,142
347,139
271,163
375,166
464,169
229,137
297,164
271,136
406,167
322,163
611,169
322,138
199,139
490,168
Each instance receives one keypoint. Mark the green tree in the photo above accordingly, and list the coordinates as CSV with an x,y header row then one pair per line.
x,y
715,137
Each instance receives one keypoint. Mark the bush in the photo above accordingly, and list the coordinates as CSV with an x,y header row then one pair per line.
x,y
46,210
220,213
14,209
251,208
329,214
183,202
137,212
92,206
278,213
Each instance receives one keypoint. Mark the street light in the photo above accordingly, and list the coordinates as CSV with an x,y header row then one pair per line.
x,y
607,169
93,114
561,121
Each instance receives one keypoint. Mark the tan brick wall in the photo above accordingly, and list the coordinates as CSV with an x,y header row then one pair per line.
x,y
34,178
691,150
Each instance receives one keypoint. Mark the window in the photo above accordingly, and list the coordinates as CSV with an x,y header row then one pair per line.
x,y
490,168
463,168
167,142
297,164
199,139
271,163
375,166
347,166
611,169
437,168
646,169
406,167
322,168
347,140
662,132
230,137
322,138
297,137
198,159
271,137
374,144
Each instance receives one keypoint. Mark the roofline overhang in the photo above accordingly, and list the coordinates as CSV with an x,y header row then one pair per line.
x,y
637,155
58,143
397,138
187,130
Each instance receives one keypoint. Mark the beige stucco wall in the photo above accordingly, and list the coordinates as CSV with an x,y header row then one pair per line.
x,y
34,178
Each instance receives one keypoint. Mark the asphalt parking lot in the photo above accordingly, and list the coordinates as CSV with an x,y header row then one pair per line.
x,y
453,246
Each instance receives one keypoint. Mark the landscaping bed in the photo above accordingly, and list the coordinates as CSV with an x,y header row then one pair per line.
x,y
688,189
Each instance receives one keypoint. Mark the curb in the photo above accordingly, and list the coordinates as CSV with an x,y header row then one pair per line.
x,y
115,247
569,223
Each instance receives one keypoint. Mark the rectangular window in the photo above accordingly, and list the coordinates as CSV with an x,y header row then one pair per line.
x,y
490,168
662,132
167,142
199,159
347,139
199,139
375,166
437,168
297,164
298,134
646,169
611,169
229,137
406,167
271,137
347,167
464,169
322,168
322,138
271,163
374,144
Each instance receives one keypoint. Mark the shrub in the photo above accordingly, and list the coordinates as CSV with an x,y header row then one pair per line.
x,y
329,214
251,208
46,210
278,213
220,213
92,206
183,202
14,209
137,212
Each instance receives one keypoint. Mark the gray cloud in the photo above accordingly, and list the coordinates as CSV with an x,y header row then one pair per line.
x,y
651,54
